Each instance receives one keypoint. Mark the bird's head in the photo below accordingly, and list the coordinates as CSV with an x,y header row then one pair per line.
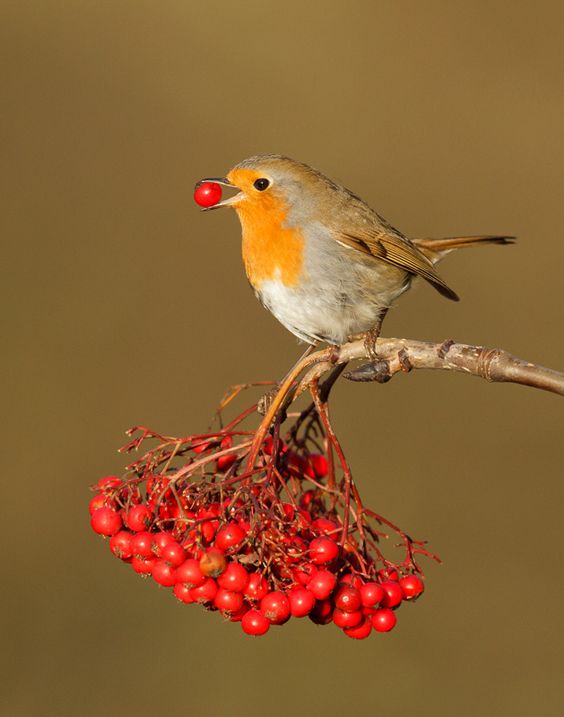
x,y
273,186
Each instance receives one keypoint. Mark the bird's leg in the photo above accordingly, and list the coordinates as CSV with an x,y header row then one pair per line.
x,y
377,367
372,335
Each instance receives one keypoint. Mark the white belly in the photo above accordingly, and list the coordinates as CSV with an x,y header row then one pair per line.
x,y
327,313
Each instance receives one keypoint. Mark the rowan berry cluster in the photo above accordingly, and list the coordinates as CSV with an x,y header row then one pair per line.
x,y
284,537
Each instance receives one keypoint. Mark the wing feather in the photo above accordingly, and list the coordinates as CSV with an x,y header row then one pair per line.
x,y
397,251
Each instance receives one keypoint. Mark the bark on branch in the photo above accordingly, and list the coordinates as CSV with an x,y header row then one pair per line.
x,y
395,356
403,355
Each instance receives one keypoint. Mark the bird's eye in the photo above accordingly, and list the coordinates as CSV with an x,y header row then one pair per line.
x,y
261,184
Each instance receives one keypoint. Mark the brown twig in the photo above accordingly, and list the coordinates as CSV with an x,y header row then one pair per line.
x,y
285,389
403,355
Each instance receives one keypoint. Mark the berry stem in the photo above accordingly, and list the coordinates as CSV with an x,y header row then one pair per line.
x,y
280,397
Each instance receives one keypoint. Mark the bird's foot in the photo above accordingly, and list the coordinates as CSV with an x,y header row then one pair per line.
x,y
378,369
370,338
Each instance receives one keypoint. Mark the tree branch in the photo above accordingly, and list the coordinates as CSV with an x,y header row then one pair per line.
x,y
403,355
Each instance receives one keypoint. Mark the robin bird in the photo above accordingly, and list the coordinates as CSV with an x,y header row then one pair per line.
x,y
319,258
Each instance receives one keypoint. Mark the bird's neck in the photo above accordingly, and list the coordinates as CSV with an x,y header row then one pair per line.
x,y
271,250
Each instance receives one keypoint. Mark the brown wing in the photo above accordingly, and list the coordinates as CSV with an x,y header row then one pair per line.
x,y
397,251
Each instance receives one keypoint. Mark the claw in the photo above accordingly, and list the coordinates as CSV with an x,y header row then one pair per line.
x,y
371,336
370,339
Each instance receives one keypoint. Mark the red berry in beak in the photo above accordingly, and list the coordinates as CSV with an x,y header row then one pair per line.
x,y
207,194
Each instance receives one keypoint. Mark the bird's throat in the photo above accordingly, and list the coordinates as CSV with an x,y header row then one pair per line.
x,y
271,250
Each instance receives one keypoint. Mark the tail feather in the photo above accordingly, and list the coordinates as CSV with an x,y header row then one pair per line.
x,y
447,244
436,249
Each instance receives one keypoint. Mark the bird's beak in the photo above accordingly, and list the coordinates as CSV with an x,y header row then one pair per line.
x,y
224,202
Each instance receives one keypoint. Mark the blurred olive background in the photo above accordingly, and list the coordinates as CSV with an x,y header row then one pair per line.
x,y
125,304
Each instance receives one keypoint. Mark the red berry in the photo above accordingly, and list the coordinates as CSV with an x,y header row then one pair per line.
x,y
143,566
301,601
229,536
275,606
384,620
289,510
238,616
347,619
254,623
120,545
350,579
303,573
169,510
388,574
138,518
371,594
245,525
322,612
324,526
189,573
213,510
182,592
207,194
307,499
225,462
228,601
323,550
108,482
105,521
393,594
412,587
156,489
257,587
207,529
141,544
163,574
360,631
302,520
99,501
295,548
173,554
232,506
159,540
319,464
213,563
299,466
201,447
234,578
204,593
348,598
322,584
268,445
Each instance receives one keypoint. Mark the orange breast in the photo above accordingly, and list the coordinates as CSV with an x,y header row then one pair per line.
x,y
270,250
